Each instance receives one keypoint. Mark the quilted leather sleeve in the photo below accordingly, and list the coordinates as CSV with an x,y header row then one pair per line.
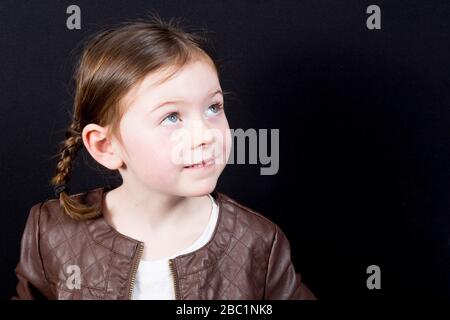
x,y
32,284
282,281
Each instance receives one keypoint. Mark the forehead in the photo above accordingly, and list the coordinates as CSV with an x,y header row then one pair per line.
x,y
192,82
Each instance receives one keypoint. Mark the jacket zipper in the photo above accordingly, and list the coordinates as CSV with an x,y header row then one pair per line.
x,y
175,279
135,267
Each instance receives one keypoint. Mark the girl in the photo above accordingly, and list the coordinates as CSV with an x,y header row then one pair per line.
x,y
148,103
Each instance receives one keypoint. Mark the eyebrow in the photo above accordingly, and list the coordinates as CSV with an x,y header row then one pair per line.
x,y
172,102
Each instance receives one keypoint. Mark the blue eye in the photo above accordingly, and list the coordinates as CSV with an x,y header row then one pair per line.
x,y
171,117
217,106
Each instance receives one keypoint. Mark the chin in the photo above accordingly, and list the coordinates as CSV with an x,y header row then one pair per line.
x,y
199,190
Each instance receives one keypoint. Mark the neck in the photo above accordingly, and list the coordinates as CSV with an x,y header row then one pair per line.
x,y
147,211
150,209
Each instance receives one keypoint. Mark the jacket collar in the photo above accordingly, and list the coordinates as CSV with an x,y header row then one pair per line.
x,y
204,257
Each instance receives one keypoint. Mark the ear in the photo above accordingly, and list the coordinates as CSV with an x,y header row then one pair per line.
x,y
100,147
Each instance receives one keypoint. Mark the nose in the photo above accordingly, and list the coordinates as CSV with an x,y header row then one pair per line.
x,y
202,135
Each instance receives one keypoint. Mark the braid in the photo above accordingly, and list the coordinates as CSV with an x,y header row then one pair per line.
x,y
67,152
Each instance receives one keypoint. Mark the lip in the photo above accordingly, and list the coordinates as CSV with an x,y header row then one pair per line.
x,y
204,164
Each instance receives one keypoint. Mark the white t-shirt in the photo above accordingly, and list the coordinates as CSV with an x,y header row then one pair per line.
x,y
154,280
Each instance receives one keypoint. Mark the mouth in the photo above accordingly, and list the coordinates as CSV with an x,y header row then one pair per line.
x,y
204,164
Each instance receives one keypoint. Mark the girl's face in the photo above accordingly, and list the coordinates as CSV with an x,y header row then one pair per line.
x,y
171,125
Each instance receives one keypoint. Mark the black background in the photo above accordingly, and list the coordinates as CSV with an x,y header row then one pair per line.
x,y
363,117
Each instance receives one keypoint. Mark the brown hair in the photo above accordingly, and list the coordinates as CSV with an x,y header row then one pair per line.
x,y
112,62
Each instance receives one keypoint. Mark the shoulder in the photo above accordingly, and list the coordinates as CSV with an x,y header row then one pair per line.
x,y
51,220
249,223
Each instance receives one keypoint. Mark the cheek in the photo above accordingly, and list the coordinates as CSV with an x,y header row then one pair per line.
x,y
149,152
152,163
227,145
225,140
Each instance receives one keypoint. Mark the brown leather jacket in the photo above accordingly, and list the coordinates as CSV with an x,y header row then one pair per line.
x,y
248,257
